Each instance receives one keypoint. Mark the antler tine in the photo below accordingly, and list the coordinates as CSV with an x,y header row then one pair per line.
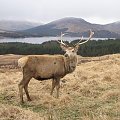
x,y
91,34
61,41
79,41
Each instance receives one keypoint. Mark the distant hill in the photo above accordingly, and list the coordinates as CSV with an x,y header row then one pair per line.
x,y
70,25
10,25
2,31
76,27
114,27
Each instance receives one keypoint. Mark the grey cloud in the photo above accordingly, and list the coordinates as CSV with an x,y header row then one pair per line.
x,y
48,10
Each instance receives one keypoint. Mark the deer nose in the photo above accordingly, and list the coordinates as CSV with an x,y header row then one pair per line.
x,y
66,55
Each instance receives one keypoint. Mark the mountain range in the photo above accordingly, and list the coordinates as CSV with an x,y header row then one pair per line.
x,y
76,27
10,25
70,25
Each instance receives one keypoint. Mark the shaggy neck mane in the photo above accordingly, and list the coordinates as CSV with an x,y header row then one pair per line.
x,y
68,62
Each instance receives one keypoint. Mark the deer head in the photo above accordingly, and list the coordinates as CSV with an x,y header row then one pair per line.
x,y
72,51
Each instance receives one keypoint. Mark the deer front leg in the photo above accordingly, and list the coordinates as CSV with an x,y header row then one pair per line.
x,y
53,86
57,87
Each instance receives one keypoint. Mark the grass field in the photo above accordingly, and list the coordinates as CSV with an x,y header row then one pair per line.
x,y
92,92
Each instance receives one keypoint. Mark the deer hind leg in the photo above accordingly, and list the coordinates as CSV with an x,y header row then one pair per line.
x,y
53,86
20,86
24,84
57,84
26,90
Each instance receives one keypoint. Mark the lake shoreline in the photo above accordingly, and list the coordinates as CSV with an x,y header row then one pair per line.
x,y
40,40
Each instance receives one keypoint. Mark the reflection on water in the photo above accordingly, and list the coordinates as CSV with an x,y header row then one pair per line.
x,y
39,40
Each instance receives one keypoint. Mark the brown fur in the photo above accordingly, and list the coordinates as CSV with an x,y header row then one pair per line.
x,y
43,67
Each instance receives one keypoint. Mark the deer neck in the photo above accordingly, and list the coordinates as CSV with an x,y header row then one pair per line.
x,y
70,64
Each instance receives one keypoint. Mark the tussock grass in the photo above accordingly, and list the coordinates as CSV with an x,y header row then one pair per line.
x,y
92,92
9,112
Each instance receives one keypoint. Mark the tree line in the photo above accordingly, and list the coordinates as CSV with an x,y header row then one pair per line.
x,y
91,48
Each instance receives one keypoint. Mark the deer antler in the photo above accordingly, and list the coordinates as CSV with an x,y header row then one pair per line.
x,y
61,41
80,40
91,34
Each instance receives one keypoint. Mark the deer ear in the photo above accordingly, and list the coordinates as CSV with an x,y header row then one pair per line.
x,y
64,48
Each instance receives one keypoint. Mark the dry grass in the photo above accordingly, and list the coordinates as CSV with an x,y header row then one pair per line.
x,y
92,92
10,112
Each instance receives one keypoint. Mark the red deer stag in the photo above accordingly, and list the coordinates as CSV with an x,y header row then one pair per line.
x,y
44,67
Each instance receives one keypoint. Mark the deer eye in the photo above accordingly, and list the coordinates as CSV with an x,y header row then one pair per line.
x,y
73,51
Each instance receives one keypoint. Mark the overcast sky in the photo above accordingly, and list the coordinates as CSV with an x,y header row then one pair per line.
x,y
94,11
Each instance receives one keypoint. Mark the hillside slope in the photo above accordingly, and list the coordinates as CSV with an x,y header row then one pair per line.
x,y
76,27
114,27
10,25
92,92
